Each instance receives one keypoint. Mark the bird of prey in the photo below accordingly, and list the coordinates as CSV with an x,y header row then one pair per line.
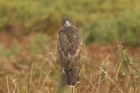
x,y
69,46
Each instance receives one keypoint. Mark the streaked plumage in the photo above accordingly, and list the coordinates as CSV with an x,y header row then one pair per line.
x,y
69,46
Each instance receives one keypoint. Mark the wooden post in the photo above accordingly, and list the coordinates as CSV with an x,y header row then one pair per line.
x,y
62,87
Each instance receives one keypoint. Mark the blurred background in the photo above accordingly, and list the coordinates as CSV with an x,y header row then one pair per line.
x,y
29,31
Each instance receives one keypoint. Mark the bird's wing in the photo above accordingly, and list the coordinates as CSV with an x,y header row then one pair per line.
x,y
69,48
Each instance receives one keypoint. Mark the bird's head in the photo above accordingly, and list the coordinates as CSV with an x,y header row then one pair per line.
x,y
67,22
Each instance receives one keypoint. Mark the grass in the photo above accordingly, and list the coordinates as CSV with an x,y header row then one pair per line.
x,y
30,73
28,56
28,88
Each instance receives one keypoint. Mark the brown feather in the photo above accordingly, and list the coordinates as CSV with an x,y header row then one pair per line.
x,y
69,46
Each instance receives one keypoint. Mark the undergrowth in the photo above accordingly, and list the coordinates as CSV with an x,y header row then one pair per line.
x,y
121,77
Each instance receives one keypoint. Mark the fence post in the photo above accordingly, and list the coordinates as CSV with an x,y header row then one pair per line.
x,y
62,87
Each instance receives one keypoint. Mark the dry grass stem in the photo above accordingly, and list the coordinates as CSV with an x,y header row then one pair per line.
x,y
14,82
26,89
7,84
110,78
81,70
86,89
45,79
30,80
100,74
91,82
54,60
39,78
118,70
47,89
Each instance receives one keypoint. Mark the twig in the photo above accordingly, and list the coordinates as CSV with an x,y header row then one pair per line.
x,y
91,83
101,71
86,89
81,70
134,68
52,56
110,78
118,71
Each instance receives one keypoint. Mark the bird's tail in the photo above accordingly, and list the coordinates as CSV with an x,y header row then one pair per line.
x,y
72,76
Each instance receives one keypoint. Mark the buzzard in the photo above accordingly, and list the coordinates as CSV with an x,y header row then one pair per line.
x,y
69,46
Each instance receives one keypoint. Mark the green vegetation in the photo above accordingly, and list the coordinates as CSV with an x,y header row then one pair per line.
x,y
97,19
126,27
14,48
37,43
127,70
28,57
